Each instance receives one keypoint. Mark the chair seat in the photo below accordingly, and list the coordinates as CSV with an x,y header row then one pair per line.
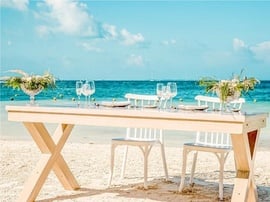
x,y
214,148
136,142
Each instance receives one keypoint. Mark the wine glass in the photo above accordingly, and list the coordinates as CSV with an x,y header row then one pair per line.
x,y
92,88
172,88
86,91
79,85
166,95
160,87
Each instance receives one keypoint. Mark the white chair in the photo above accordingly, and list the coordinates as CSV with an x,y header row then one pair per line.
x,y
144,138
214,142
214,103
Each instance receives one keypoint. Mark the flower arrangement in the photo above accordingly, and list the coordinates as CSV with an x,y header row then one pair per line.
x,y
30,84
231,89
29,81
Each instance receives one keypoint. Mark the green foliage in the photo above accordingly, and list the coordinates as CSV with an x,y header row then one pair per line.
x,y
30,82
229,88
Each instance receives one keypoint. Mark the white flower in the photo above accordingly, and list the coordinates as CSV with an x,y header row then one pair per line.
x,y
32,82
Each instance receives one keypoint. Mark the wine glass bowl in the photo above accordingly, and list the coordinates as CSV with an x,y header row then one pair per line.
x,y
88,89
79,85
173,88
92,87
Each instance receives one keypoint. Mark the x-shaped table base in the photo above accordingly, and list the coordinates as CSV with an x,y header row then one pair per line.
x,y
51,159
245,147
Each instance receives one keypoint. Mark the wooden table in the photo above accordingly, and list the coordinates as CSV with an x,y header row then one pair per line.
x,y
244,130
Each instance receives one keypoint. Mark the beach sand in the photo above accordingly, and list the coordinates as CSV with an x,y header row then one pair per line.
x,y
89,162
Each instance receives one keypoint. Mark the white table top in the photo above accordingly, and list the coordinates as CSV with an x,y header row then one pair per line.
x,y
123,117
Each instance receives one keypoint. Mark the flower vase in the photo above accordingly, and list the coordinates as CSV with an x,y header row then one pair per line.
x,y
31,93
227,99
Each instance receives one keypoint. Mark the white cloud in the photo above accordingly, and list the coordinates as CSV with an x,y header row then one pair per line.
x,y
131,39
136,60
70,17
16,4
238,44
261,51
110,31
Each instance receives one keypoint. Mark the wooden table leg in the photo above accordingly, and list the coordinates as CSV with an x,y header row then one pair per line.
x,y
51,159
245,147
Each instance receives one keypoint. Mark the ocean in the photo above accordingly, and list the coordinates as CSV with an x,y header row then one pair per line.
x,y
65,94
107,90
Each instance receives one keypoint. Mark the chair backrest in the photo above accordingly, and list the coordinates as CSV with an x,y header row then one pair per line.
x,y
141,101
145,134
214,103
217,139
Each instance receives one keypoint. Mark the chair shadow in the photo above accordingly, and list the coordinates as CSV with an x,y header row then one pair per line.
x,y
158,189
161,190
123,191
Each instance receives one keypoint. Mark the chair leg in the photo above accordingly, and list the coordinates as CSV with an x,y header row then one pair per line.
x,y
112,164
164,162
146,150
182,180
193,167
124,163
221,158
221,172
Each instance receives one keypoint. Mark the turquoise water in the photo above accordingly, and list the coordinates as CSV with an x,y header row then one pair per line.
x,y
257,101
107,90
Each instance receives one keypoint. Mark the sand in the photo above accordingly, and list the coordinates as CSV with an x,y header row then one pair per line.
x,y
89,162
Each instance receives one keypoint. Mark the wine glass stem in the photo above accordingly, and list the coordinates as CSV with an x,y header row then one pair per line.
x,y
32,99
159,103
79,100
85,104
227,107
89,101
165,103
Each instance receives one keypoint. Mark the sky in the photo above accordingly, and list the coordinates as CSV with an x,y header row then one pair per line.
x,y
136,40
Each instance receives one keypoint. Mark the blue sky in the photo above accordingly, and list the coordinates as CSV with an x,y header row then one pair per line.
x,y
136,39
